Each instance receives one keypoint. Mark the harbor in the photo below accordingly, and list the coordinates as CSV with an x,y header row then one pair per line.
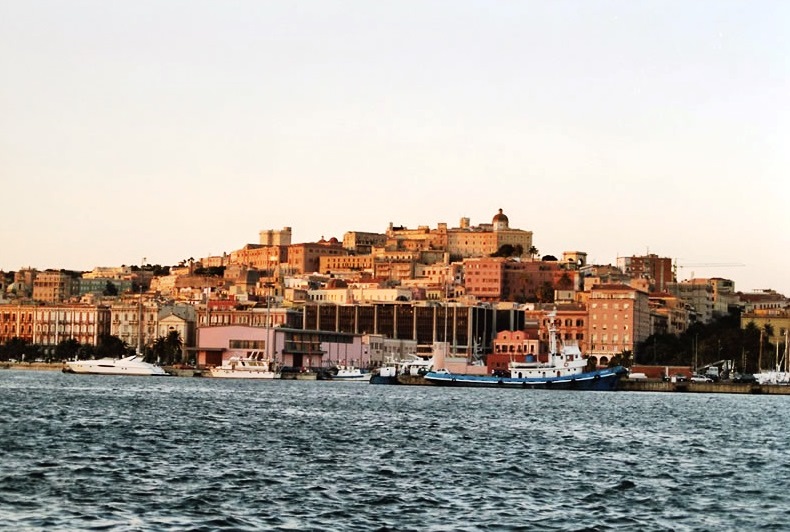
x,y
624,385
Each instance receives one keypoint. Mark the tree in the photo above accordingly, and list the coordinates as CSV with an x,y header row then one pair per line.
x,y
174,346
14,349
167,350
67,349
110,345
532,251
565,282
110,289
546,293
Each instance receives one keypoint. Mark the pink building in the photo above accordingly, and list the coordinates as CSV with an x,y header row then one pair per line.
x,y
288,347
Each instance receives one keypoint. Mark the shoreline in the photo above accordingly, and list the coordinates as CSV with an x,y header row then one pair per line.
x,y
624,385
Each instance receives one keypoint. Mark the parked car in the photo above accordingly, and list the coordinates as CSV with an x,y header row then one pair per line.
x,y
701,378
744,378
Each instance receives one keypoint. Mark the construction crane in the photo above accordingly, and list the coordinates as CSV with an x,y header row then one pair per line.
x,y
676,267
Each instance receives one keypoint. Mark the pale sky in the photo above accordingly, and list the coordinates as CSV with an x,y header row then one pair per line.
x,y
176,129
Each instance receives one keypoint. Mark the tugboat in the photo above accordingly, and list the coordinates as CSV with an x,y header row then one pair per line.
x,y
564,370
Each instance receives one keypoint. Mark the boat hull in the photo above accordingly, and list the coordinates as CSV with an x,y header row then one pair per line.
x,y
98,368
600,380
217,373
384,379
355,378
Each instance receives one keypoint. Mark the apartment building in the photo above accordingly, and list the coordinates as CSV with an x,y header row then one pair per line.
x,y
658,270
619,318
668,314
135,324
698,294
53,286
16,321
53,324
484,277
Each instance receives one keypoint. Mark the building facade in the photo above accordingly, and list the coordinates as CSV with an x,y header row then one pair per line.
x,y
619,318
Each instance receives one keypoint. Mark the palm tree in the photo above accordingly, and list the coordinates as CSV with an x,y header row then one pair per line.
x,y
532,252
174,346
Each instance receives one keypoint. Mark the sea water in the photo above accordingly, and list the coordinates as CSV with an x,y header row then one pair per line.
x,y
83,452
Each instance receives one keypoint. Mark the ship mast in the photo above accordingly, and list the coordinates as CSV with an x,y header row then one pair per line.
x,y
140,313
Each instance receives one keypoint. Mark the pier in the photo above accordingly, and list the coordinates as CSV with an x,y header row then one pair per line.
x,y
701,387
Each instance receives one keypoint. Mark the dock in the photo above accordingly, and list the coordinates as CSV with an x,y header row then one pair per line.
x,y
627,385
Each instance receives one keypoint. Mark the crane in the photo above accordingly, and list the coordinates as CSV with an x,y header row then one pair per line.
x,y
678,267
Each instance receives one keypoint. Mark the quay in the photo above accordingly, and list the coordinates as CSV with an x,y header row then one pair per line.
x,y
626,385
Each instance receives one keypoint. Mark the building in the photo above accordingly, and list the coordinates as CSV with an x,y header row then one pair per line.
x,y
698,295
134,323
294,348
178,318
99,285
361,243
513,346
464,241
274,238
668,314
17,321
306,258
658,270
52,286
619,319
53,324
774,321
485,239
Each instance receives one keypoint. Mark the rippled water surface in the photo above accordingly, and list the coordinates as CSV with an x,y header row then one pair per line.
x,y
86,452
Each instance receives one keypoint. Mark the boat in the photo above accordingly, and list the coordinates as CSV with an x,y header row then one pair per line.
x,y
254,366
415,365
780,374
386,374
350,374
130,365
565,368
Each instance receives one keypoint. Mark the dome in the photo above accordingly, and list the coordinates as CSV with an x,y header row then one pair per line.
x,y
499,218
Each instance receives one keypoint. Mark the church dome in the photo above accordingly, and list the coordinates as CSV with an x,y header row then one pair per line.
x,y
500,218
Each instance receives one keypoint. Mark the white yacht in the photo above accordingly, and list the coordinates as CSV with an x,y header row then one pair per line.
x,y
350,373
253,367
131,365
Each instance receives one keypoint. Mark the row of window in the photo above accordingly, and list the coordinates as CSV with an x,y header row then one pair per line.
x,y
612,316
88,329
616,306
614,327
615,338
247,344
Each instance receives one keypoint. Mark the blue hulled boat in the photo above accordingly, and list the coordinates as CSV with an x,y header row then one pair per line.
x,y
565,369
599,380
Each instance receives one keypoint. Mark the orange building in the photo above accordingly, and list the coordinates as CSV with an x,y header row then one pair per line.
x,y
619,320
512,346
306,258
16,321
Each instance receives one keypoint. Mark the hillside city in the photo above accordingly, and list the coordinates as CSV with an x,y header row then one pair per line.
x,y
384,294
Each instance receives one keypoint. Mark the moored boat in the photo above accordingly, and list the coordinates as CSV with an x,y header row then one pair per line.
x,y
252,367
565,368
350,374
387,374
130,365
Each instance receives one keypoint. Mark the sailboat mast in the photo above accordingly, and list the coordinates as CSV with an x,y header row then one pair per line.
x,y
140,313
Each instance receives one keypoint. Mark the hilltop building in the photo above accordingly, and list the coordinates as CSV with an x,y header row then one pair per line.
x,y
464,241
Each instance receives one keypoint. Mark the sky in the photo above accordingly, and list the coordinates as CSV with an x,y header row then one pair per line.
x,y
173,129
